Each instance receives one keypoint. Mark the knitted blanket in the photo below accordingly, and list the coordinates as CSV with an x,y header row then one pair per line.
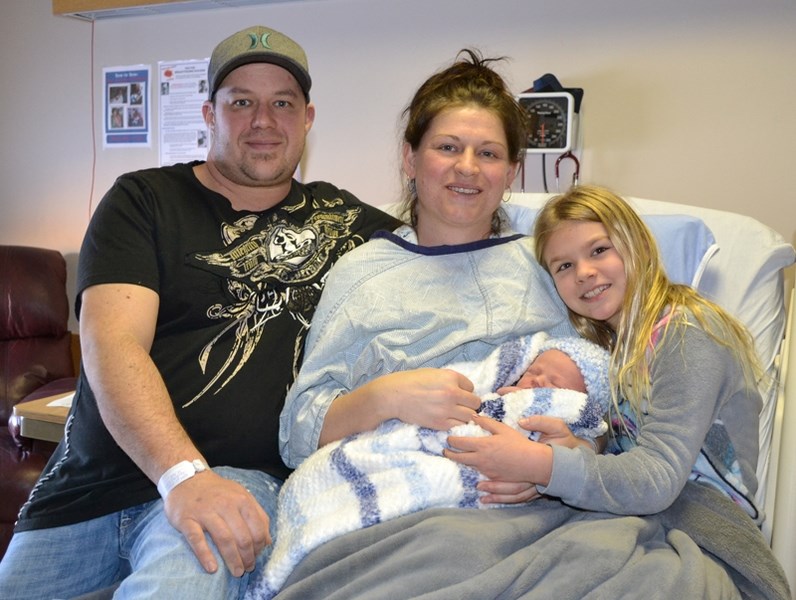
x,y
399,469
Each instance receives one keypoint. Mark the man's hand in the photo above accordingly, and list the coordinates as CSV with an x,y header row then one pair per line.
x,y
227,512
117,326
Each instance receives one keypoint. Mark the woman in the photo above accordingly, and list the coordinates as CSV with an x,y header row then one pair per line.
x,y
450,285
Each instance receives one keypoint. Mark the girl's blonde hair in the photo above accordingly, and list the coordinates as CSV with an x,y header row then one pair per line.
x,y
649,292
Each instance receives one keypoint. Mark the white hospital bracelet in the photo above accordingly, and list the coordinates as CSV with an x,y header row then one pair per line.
x,y
175,475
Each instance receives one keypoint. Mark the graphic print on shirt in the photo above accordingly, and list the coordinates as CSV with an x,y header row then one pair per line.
x,y
269,268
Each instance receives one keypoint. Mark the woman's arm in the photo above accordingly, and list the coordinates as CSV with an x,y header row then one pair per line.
x,y
434,398
362,365
386,314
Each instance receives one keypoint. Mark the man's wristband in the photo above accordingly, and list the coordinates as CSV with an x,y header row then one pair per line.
x,y
175,475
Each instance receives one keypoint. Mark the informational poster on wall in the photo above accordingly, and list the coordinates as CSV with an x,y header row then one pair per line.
x,y
183,89
126,106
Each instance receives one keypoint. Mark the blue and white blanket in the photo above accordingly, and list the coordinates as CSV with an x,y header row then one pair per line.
x,y
399,469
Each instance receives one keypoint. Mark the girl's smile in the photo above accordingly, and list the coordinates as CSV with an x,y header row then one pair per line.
x,y
588,272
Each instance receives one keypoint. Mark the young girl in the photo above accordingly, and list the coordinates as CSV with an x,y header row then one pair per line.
x,y
683,373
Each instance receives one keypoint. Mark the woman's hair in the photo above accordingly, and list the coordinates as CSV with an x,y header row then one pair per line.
x,y
469,81
648,293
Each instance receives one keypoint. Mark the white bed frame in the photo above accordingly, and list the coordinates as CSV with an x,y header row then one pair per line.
x,y
746,276
780,506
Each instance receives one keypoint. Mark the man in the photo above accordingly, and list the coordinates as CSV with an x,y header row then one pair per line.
x,y
196,286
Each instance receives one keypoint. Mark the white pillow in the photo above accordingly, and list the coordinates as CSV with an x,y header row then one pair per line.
x,y
685,242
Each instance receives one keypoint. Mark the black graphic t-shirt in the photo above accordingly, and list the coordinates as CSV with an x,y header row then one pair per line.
x,y
237,291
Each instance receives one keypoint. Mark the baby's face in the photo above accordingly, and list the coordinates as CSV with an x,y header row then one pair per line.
x,y
553,369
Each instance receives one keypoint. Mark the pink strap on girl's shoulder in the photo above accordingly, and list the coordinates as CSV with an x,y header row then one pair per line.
x,y
660,327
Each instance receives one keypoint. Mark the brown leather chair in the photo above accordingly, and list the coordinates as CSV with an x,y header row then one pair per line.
x,y
36,360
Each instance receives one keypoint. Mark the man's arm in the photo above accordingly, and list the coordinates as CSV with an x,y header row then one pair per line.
x,y
117,327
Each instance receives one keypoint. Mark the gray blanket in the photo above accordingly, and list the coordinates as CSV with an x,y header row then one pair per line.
x,y
703,546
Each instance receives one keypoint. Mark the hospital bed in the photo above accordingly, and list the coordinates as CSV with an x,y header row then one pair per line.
x,y
732,259
550,549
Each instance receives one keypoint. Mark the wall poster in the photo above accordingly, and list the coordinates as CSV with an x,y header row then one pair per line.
x,y
183,90
126,106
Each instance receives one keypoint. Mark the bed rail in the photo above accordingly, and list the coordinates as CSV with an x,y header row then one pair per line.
x,y
780,525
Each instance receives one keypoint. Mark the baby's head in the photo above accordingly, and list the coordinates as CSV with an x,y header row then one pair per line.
x,y
553,369
569,362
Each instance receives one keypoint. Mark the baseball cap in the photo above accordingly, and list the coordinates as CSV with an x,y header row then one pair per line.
x,y
258,44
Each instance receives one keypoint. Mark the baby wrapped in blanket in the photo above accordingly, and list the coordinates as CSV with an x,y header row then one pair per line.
x,y
399,469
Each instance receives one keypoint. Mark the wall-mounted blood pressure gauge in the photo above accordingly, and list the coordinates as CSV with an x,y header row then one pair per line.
x,y
551,121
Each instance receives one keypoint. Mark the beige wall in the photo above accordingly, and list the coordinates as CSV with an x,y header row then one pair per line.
x,y
684,101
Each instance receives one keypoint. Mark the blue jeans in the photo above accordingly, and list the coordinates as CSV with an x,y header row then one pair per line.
x,y
137,546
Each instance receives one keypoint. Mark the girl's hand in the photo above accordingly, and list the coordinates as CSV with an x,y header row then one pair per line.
x,y
506,456
504,492
553,430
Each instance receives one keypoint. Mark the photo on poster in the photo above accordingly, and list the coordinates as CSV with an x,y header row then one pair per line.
x,y
126,106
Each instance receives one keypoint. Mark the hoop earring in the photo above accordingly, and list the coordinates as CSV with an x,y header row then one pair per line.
x,y
507,198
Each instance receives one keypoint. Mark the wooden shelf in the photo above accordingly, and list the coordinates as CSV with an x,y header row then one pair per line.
x,y
40,421
91,10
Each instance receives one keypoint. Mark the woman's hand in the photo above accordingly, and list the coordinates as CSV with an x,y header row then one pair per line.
x,y
434,398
